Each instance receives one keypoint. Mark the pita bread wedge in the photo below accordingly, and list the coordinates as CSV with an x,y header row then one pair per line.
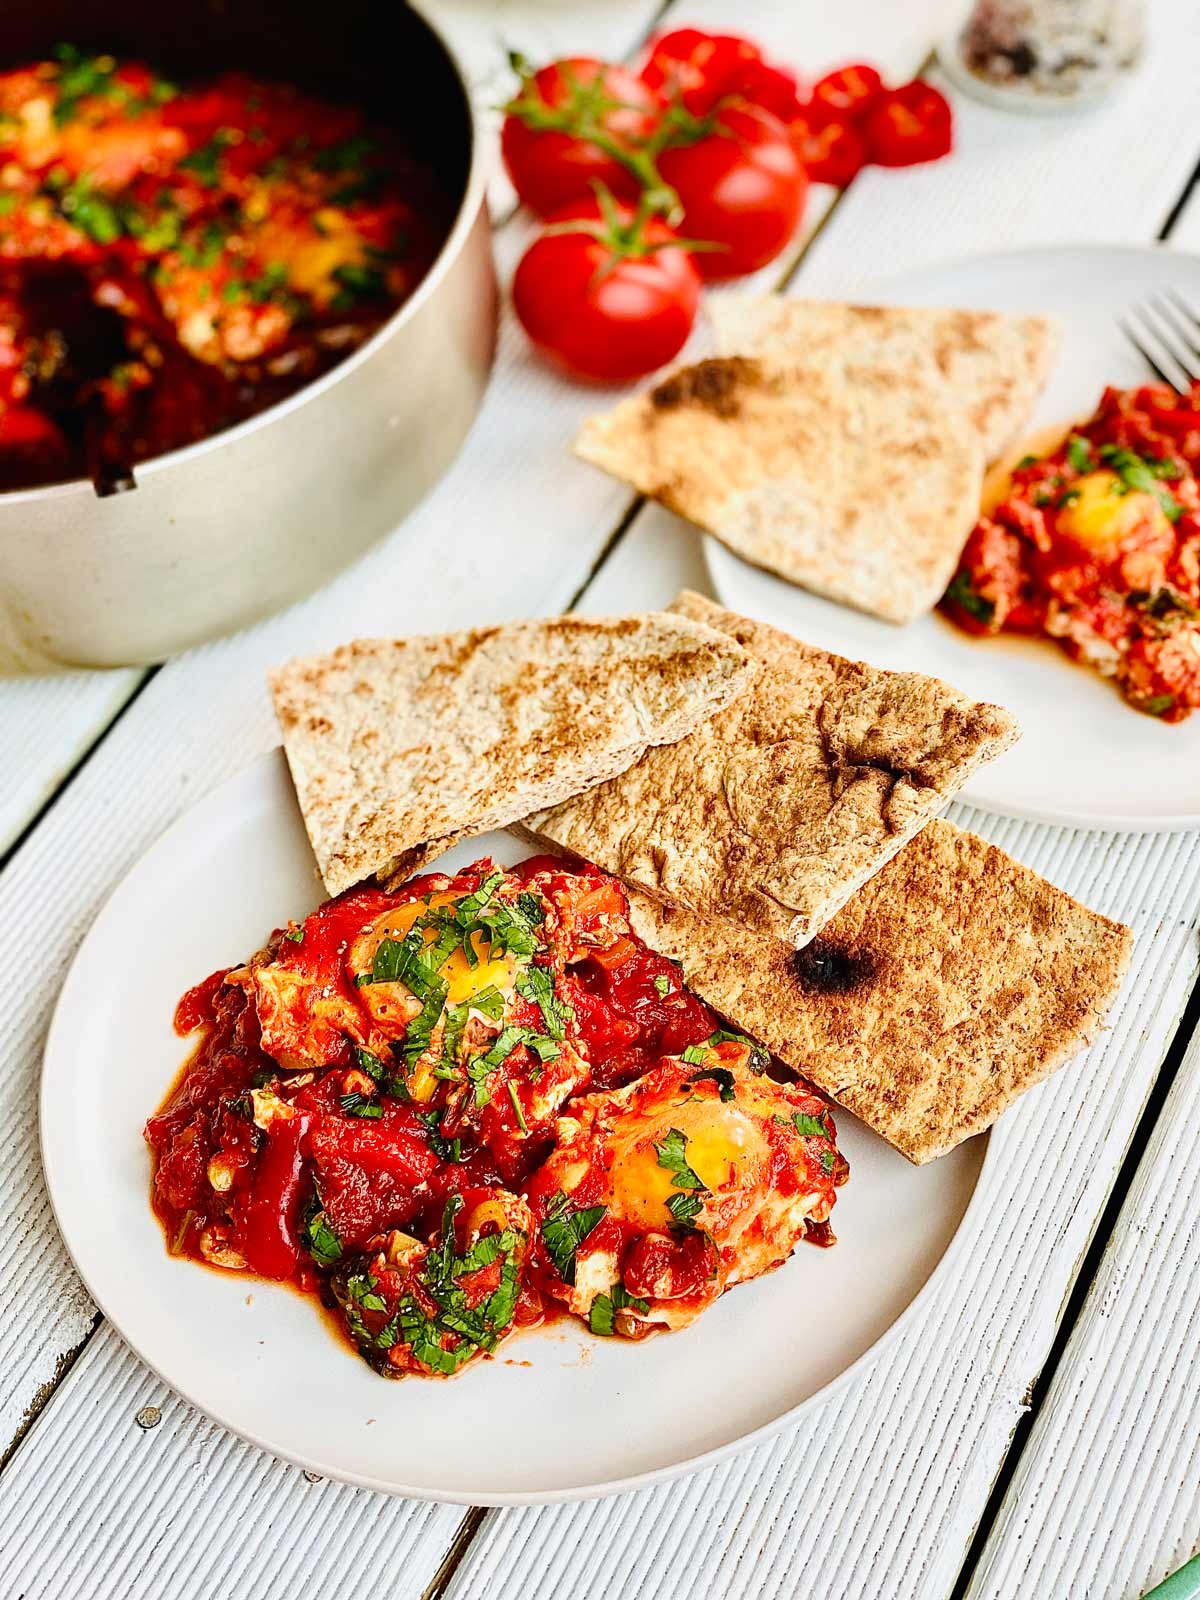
x,y
851,477
993,365
951,983
775,810
398,745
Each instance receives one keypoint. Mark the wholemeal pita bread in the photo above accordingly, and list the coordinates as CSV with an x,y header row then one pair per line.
x,y
993,365
850,477
775,810
394,743
951,983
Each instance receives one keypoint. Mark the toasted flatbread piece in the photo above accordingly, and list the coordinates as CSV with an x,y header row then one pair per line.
x,y
993,365
777,809
949,984
851,477
398,745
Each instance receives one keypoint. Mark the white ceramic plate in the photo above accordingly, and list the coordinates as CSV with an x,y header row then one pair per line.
x,y
559,1414
1085,757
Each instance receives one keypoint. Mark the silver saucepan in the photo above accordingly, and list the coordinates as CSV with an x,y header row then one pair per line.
x,y
223,532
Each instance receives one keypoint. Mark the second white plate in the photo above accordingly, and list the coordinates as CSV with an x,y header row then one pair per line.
x,y
1085,758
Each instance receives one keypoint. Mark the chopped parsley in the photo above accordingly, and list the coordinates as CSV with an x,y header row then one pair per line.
x,y
537,985
1079,453
602,1316
317,1236
91,212
671,1151
810,1127
296,935
564,1230
441,1273
663,984
347,154
357,1105
204,161
1143,474
721,1076
695,1054
445,1149
358,280
1159,704
961,594
759,1059
684,1209
370,1064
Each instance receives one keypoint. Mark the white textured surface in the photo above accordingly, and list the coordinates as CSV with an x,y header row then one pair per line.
x,y
877,1494
1106,1501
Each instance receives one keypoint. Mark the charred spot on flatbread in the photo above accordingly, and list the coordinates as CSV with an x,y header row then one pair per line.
x,y
824,967
715,385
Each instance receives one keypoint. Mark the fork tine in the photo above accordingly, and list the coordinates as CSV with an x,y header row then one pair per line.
x,y
1160,372
1184,307
1170,318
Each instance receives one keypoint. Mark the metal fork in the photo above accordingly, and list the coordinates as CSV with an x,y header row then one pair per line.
x,y
1164,330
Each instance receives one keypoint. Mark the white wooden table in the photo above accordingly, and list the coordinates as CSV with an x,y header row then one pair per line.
x,y
1037,1432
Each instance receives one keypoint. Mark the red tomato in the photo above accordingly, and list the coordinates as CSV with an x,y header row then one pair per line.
x,y
909,125
575,123
834,152
742,187
845,95
695,67
773,88
701,69
609,301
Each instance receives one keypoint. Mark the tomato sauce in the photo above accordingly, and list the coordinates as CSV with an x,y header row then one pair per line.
x,y
1096,544
176,257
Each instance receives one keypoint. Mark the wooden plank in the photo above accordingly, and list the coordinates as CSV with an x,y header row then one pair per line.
x,y
111,1506
1123,1398
1106,1498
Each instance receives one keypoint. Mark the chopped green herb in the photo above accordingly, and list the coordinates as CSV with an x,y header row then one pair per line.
x,y
357,1105
317,1236
370,1064
1142,475
760,1057
602,1316
1079,453
516,1105
536,984
351,152
721,1076
684,1209
694,1054
1026,461
204,161
1159,704
961,594
564,1230
810,1127
663,985
671,1151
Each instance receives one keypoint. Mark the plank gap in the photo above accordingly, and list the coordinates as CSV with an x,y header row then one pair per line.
x,y
75,769
1081,1287
45,1394
468,1528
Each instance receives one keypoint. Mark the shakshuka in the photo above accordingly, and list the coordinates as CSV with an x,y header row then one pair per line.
x,y
451,1110
175,257
1097,544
